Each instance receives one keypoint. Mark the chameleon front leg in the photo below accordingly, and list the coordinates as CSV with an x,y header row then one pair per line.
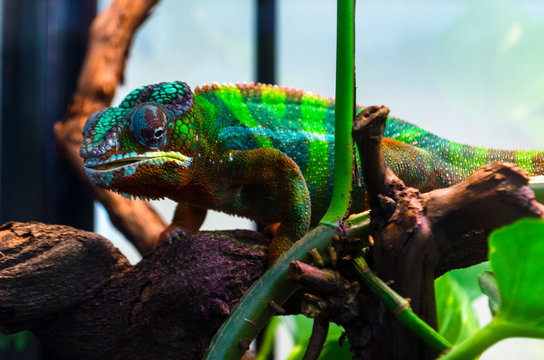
x,y
273,167
186,218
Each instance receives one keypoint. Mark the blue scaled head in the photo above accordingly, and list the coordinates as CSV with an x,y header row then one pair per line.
x,y
134,148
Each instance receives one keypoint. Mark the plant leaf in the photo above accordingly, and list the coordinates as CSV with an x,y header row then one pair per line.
x,y
467,278
516,253
456,318
488,284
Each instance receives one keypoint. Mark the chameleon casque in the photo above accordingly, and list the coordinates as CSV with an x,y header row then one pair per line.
x,y
259,151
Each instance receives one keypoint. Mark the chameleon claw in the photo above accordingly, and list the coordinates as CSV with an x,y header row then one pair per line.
x,y
169,234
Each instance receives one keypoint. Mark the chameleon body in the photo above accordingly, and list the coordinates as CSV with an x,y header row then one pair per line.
x,y
258,151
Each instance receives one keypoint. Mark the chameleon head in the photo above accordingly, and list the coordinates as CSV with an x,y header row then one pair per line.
x,y
142,147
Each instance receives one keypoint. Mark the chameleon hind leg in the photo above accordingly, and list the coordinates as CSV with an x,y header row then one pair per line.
x,y
186,218
278,172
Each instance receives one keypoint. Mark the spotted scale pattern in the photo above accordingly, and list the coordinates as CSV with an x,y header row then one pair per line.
x,y
223,144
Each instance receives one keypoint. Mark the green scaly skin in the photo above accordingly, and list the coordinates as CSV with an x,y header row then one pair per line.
x,y
258,151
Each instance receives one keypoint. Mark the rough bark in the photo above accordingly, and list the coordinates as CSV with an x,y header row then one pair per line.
x,y
420,236
79,295
109,42
76,292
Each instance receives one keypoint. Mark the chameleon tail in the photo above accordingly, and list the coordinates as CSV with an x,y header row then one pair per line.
x,y
426,161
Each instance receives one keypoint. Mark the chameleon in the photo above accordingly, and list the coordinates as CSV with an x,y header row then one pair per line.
x,y
259,151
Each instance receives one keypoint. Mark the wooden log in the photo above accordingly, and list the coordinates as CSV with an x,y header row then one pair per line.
x,y
82,298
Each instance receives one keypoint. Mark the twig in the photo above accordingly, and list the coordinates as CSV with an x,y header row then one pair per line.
x,y
320,330
399,306
324,281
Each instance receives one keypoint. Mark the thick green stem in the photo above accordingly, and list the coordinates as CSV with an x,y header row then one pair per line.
x,y
497,330
253,311
344,112
473,347
400,307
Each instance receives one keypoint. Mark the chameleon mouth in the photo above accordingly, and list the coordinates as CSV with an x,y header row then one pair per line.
x,y
129,162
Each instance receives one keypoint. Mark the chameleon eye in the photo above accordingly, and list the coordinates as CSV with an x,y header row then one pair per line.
x,y
149,123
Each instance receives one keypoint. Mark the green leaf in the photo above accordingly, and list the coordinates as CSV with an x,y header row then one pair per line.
x,y
21,340
488,284
17,341
516,253
267,345
299,326
456,318
467,278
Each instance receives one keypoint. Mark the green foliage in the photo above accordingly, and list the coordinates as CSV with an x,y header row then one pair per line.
x,y
489,287
300,328
265,349
515,255
456,318
16,341
467,278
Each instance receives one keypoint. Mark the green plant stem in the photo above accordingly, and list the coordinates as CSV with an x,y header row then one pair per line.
x,y
253,312
473,347
400,307
344,112
497,330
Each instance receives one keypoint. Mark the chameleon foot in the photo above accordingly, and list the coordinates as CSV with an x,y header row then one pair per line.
x,y
171,232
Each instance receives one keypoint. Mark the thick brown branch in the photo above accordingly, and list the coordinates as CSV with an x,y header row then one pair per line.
x,y
419,237
460,217
110,38
78,294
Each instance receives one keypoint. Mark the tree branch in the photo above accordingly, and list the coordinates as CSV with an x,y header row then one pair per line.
x,y
79,295
419,237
